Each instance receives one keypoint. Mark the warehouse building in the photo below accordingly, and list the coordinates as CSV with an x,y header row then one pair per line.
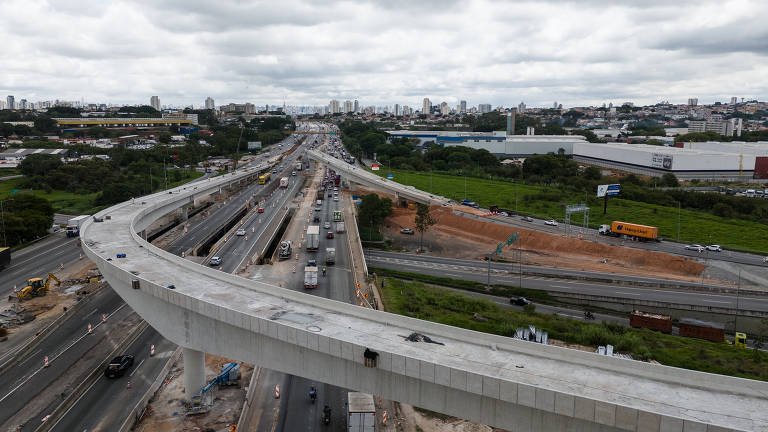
x,y
724,164
498,143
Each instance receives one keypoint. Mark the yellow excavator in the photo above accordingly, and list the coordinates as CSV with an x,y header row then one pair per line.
x,y
37,287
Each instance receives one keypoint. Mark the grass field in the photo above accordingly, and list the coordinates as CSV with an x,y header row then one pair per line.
x,y
544,202
434,304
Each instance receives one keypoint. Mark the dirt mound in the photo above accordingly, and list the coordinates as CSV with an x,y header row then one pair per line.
x,y
460,236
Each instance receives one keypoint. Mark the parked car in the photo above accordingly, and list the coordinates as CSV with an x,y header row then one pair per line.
x,y
406,231
519,301
550,222
714,248
240,232
696,247
215,261
527,219
329,235
117,367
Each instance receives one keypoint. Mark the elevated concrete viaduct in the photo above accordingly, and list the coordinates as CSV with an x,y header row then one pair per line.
x,y
511,384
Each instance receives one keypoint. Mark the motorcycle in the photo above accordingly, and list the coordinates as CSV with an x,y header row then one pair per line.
x,y
323,271
326,415
312,394
589,316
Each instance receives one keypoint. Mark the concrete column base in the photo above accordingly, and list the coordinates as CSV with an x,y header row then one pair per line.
x,y
194,371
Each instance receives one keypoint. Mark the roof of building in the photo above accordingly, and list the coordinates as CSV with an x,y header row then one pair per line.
x,y
22,152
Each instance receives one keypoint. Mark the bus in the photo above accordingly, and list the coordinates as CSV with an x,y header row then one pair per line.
x,y
264,178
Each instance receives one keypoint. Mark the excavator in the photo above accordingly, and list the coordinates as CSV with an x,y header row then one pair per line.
x,y
37,287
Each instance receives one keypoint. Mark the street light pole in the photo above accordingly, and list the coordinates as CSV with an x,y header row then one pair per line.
x,y
678,221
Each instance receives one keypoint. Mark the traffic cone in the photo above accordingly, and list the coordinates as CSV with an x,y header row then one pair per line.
x,y
277,392
103,318
46,362
14,289
182,254
152,351
297,257
253,229
299,245
128,385
81,255
384,417
294,269
90,329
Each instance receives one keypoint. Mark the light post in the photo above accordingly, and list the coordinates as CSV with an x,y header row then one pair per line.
x,y
678,221
2,213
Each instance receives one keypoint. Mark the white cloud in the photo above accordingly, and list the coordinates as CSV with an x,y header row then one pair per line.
x,y
483,51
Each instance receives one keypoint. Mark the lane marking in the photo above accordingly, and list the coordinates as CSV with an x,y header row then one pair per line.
x,y
137,367
626,293
716,301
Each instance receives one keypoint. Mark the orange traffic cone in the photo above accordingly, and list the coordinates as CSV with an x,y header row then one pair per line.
x,y
253,229
46,362
384,417
90,329
129,385
152,351
182,254
103,318
14,289
277,392
294,269
81,255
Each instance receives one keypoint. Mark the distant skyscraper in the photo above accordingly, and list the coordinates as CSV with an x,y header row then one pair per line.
x,y
444,109
348,107
10,102
733,100
484,108
406,110
333,107
154,101
463,107
398,112
554,105
357,106
521,107
693,101
209,103
426,106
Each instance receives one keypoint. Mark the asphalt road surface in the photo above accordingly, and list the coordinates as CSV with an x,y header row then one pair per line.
x,y
477,271
37,260
108,403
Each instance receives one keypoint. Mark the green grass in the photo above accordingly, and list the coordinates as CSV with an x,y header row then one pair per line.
x,y
550,202
445,307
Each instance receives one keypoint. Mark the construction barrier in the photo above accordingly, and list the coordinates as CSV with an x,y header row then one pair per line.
x,y
103,318
152,350
277,392
45,363
90,329
384,417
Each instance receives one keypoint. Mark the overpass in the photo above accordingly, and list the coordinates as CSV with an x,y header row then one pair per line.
x,y
507,383
122,121
365,178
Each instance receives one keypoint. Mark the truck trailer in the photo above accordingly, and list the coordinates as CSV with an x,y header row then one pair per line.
x,y
310,277
633,231
330,255
361,412
313,237
74,225
5,257
658,322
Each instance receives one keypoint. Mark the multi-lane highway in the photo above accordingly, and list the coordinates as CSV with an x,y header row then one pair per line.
x,y
507,274
38,259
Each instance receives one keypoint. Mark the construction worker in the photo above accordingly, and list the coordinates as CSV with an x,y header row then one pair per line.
x,y
323,270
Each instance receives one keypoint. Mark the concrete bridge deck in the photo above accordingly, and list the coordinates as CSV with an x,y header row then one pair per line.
x,y
495,380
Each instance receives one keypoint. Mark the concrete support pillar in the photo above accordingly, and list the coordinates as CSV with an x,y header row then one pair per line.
x,y
194,371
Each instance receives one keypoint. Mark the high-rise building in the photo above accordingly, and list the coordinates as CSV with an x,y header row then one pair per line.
x,y
484,108
357,107
521,107
426,106
209,104
407,110
154,101
333,107
444,109
554,105
462,107
693,101
733,100
11,102
23,104
397,110
348,107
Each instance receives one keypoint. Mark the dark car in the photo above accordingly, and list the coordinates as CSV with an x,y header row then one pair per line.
x,y
329,235
117,367
520,301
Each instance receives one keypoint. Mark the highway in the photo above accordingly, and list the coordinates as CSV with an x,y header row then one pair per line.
x,y
38,259
108,402
477,271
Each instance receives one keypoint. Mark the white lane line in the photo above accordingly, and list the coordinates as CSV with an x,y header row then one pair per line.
x,y
137,367
35,257
716,301
627,293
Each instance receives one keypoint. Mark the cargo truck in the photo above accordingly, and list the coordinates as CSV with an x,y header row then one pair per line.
x,y
298,166
310,277
633,231
340,227
313,237
361,412
5,257
284,182
330,255
337,215
74,225
658,322
285,250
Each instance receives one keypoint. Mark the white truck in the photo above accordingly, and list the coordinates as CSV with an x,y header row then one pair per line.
x,y
310,277
313,237
340,227
330,255
74,225
284,182
361,412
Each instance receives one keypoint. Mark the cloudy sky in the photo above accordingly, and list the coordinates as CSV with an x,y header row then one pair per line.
x,y
384,51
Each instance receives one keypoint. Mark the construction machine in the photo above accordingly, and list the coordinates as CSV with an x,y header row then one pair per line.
x,y
37,287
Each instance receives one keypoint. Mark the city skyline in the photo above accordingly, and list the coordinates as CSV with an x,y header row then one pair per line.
x,y
384,54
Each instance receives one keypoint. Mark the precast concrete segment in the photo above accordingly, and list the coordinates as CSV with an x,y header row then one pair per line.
x,y
363,177
495,380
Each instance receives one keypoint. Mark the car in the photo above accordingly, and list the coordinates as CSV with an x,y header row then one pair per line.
x,y
696,247
406,231
336,198
326,225
330,194
240,232
274,171
261,210
329,235
714,248
117,367
316,219
527,218
519,301
550,222
312,263
293,173
215,261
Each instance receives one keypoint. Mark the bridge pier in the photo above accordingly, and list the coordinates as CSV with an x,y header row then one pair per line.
x,y
194,371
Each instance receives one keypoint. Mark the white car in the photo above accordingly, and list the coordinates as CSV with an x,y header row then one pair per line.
x,y
327,225
215,261
240,232
336,198
714,248
695,246
550,222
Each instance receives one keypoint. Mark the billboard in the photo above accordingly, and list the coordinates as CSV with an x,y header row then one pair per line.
x,y
253,145
609,190
374,167
660,160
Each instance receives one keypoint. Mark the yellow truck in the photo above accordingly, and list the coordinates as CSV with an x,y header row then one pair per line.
x,y
633,231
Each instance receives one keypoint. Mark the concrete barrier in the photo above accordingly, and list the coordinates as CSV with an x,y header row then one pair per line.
x,y
138,411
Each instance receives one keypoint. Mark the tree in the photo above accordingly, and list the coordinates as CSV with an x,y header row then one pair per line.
x,y
669,180
39,164
592,173
373,210
423,221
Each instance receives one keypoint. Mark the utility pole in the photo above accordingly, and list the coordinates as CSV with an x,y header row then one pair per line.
x,y
2,213
678,221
